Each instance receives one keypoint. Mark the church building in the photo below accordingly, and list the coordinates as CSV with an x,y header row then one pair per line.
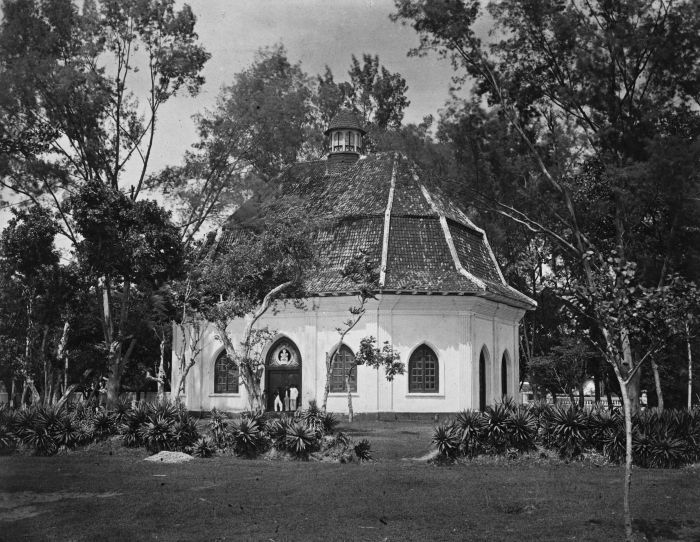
x,y
442,301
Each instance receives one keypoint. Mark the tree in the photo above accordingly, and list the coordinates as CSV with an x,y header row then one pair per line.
x,y
127,246
369,355
29,259
585,86
364,275
564,369
258,265
375,94
70,95
259,125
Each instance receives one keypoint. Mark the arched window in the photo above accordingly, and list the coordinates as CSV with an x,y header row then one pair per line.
x,y
482,381
423,374
341,364
504,374
225,375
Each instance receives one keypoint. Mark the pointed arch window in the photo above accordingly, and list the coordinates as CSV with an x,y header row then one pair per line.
x,y
341,365
225,375
504,374
423,371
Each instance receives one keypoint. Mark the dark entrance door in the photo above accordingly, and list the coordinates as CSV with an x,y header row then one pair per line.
x,y
282,373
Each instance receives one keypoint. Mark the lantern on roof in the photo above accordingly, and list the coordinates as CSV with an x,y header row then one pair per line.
x,y
344,133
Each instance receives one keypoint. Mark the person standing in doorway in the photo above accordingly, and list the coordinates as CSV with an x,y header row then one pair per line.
x,y
293,396
278,401
286,398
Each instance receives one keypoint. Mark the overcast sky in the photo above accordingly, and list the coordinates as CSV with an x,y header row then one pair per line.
x,y
315,32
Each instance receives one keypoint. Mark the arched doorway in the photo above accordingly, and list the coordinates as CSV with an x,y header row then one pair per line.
x,y
282,371
482,382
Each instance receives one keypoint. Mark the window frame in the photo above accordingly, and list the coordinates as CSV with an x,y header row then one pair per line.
x,y
231,372
338,371
416,367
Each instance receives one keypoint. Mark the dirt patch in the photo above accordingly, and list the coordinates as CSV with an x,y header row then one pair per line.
x,y
25,504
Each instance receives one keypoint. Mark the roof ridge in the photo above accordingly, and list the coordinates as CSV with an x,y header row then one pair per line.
x,y
448,237
387,225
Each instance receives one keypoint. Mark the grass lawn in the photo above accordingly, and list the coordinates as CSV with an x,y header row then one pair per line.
x,y
95,495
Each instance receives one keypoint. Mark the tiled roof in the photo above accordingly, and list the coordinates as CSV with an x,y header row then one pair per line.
x,y
344,119
432,246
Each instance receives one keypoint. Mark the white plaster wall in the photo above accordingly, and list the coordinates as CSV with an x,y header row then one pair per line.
x,y
455,327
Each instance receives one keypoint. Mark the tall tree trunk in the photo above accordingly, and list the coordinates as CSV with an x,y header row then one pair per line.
x,y
581,398
13,392
62,355
657,384
627,407
327,385
161,372
596,384
690,366
347,387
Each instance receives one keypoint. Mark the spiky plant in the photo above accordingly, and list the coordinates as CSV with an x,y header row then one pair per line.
x,y
300,440
363,450
667,451
204,447
495,428
329,422
248,439
218,425
157,434
570,431
121,409
471,425
103,424
131,424
185,432
446,438
521,427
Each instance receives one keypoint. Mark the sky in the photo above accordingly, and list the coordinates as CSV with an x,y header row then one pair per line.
x,y
314,32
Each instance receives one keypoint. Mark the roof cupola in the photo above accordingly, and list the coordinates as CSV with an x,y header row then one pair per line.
x,y
344,138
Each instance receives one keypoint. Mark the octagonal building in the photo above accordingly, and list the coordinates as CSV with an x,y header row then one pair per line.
x,y
442,301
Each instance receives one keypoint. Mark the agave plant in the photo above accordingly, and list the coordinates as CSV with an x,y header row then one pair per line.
x,y
204,447
602,424
521,427
157,434
363,450
121,409
132,422
570,431
329,422
447,439
496,428
218,425
248,439
300,440
667,451
185,432
313,418
103,424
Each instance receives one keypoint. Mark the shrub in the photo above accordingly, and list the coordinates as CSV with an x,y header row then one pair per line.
x,y
277,432
247,438
132,422
103,424
666,451
447,439
185,432
521,427
204,447
569,431
496,428
363,450
157,433
300,440
470,425
218,425
329,422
